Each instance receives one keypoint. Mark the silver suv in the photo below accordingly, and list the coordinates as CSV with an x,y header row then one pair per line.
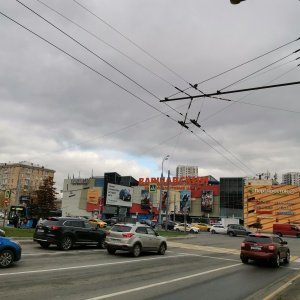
x,y
134,238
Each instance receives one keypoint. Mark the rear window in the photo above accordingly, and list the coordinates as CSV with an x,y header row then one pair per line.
x,y
258,239
50,222
121,228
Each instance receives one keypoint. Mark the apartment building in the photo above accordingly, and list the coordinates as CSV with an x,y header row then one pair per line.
x,y
186,171
22,178
291,178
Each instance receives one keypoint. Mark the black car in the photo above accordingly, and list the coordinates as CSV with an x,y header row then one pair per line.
x,y
171,225
111,221
67,231
147,222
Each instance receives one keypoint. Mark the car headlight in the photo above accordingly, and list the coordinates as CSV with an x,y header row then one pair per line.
x,y
16,242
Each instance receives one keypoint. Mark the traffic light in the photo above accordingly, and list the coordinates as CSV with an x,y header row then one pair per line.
x,y
7,194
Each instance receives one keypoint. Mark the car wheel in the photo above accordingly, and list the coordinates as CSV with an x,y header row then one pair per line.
x,y
287,258
101,244
162,249
136,250
208,230
44,244
298,235
245,260
111,250
6,258
192,231
231,233
98,226
279,234
213,232
66,243
177,229
276,262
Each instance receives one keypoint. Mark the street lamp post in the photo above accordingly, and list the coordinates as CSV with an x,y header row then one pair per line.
x,y
160,197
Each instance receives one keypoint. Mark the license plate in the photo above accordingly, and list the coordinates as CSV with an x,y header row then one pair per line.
x,y
40,230
255,248
116,240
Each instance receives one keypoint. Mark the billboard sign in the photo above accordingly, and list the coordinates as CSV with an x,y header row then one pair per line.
x,y
207,201
119,195
145,200
93,195
164,197
185,199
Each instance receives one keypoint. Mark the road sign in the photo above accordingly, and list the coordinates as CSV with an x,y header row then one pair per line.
x,y
153,187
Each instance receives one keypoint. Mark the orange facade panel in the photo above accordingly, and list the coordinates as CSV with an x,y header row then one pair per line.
x,y
270,205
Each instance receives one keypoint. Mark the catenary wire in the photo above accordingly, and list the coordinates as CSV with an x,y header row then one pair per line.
x,y
136,45
260,70
98,38
251,60
113,83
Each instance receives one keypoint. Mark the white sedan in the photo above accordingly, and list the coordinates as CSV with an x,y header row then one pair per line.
x,y
188,228
218,229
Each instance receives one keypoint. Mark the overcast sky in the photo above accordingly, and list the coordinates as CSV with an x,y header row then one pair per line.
x,y
86,100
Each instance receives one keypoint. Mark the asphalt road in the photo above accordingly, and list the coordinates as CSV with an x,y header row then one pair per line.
x,y
205,266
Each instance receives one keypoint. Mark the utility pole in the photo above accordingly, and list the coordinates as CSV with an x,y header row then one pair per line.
x,y
167,204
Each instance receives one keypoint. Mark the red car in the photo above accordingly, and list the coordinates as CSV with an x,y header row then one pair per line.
x,y
265,247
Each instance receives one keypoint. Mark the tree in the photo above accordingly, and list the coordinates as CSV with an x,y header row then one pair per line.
x,y
257,225
44,201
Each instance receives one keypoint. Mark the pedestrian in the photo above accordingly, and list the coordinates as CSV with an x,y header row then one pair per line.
x,y
16,221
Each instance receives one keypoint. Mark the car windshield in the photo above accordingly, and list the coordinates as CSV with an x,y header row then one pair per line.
x,y
121,228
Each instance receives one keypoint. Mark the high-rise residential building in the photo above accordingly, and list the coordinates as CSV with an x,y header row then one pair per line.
x,y
291,178
22,178
186,171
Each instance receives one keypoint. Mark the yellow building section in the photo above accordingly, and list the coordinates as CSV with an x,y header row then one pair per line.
x,y
268,205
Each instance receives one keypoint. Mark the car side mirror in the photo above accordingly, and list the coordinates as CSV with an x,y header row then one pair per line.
x,y
284,242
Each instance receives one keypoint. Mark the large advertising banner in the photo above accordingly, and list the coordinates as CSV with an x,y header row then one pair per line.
x,y
164,197
185,200
93,195
119,195
207,201
145,200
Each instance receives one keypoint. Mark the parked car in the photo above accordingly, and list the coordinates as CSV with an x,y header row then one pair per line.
x,y
171,224
67,231
202,226
134,238
98,223
286,229
265,247
111,221
235,229
2,233
147,222
218,228
10,252
188,228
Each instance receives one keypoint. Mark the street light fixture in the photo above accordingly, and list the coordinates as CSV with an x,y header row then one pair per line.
x,y
160,197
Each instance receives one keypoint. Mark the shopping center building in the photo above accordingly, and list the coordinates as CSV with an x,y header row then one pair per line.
x,y
190,198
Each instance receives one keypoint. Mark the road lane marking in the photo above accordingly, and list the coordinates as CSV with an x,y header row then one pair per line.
x,y
161,283
293,258
91,266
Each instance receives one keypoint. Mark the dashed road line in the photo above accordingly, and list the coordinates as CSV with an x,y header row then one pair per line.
x,y
216,249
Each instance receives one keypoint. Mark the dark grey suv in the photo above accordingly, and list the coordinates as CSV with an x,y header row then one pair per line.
x,y
66,232
236,229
